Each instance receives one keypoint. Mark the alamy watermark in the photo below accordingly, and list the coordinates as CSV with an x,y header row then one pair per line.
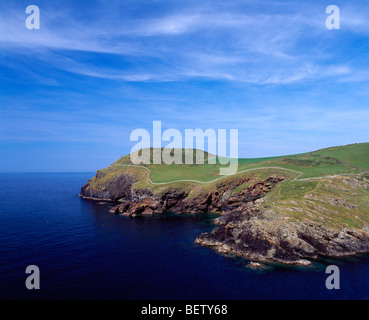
x,y
33,281
332,21
33,20
180,149
333,281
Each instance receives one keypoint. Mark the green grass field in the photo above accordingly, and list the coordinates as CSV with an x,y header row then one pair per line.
x,y
332,161
356,154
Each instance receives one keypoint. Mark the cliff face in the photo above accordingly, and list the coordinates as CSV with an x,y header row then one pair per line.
x,y
220,200
118,186
252,224
264,236
331,219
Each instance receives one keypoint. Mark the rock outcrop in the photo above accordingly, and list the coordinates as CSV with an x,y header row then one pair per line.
x,y
261,235
115,188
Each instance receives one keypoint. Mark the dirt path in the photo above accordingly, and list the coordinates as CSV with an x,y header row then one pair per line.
x,y
243,171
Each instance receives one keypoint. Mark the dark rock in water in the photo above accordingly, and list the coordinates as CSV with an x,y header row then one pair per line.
x,y
255,265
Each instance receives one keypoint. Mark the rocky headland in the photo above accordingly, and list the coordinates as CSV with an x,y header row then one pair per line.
x,y
253,221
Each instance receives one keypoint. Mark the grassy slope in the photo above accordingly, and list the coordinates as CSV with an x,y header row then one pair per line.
x,y
337,202
356,154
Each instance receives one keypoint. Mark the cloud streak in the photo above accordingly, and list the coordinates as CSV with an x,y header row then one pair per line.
x,y
260,47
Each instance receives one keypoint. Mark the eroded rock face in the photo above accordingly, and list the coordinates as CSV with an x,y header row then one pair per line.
x,y
217,201
263,236
113,189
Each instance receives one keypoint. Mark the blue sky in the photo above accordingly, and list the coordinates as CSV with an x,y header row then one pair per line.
x,y
72,92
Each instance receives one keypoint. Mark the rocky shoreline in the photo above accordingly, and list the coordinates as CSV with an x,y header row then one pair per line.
x,y
264,237
245,228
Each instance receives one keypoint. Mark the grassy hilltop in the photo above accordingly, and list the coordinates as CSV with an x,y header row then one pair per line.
x,y
331,161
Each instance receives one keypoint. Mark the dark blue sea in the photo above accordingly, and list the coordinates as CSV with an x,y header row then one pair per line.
x,y
84,252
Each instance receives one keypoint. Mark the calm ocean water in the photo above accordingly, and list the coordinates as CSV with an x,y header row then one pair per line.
x,y
84,252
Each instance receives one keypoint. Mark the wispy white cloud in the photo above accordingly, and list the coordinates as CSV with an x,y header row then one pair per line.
x,y
199,42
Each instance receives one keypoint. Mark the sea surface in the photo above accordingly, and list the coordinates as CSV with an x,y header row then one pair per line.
x,y
85,252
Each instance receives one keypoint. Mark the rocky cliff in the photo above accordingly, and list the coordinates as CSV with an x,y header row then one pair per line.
x,y
262,235
251,224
